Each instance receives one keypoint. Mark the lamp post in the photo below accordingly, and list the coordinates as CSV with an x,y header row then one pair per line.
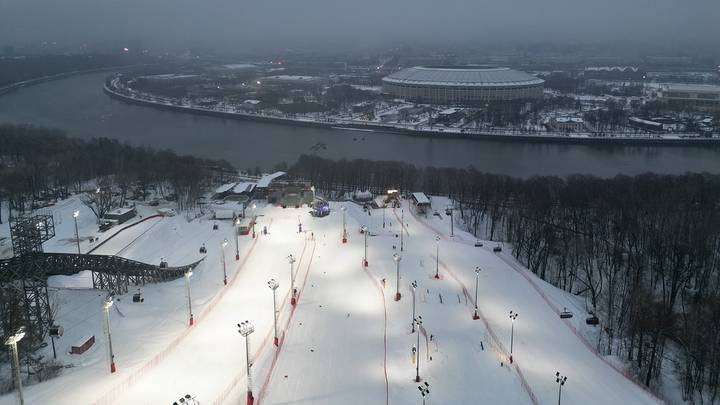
x,y
12,341
237,242
77,235
245,329
513,316
477,278
452,223
111,357
222,258
437,257
188,274
414,285
273,284
560,380
365,233
418,322
424,391
397,258
293,298
344,235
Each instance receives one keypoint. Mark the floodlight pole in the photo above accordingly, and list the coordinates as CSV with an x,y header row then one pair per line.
x,y
344,235
293,297
513,316
437,257
188,274
402,229
222,258
477,278
273,284
560,380
365,233
246,328
418,322
452,223
12,342
77,234
106,306
237,242
414,287
397,258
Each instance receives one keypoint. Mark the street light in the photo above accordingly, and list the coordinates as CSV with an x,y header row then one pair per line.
x,y
477,278
222,258
437,257
273,284
424,391
513,316
106,306
560,380
344,235
237,242
397,258
12,341
293,298
414,285
418,322
364,230
188,274
77,235
245,329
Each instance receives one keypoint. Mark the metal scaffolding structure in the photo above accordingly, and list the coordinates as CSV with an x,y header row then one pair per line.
x,y
23,278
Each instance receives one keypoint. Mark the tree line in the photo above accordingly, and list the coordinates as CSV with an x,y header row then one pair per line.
x,y
38,165
643,251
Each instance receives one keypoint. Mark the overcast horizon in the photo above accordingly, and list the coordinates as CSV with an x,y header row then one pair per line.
x,y
222,25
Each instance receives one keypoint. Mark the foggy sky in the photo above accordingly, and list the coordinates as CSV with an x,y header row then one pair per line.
x,y
284,23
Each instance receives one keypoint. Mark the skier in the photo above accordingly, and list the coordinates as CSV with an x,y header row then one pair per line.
x,y
264,230
384,284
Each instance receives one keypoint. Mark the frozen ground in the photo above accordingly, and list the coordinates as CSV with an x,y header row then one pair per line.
x,y
347,341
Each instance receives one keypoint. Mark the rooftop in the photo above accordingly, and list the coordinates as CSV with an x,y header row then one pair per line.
x,y
464,76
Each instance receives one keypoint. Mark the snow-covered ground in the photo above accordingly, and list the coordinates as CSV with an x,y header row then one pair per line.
x,y
347,340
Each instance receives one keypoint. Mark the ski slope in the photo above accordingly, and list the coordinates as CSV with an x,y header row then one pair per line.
x,y
347,340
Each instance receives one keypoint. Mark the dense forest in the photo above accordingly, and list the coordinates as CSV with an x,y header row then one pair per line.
x,y
39,165
643,251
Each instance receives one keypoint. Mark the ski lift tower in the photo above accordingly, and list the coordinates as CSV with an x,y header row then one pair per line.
x,y
28,234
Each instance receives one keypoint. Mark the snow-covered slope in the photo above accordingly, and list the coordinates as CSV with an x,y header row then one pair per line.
x,y
348,340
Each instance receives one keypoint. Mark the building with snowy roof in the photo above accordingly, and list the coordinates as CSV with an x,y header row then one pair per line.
x,y
469,85
701,96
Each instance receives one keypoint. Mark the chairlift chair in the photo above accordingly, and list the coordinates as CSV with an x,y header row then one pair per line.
x,y
592,320
478,243
203,249
497,249
565,314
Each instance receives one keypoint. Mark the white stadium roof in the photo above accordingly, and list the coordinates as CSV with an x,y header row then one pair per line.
x,y
464,76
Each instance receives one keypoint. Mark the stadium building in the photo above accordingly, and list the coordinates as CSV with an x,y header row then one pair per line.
x,y
462,85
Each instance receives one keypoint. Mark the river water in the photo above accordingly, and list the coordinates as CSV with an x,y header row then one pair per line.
x,y
78,105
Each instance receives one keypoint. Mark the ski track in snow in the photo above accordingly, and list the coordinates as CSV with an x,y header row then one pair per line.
x,y
550,305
